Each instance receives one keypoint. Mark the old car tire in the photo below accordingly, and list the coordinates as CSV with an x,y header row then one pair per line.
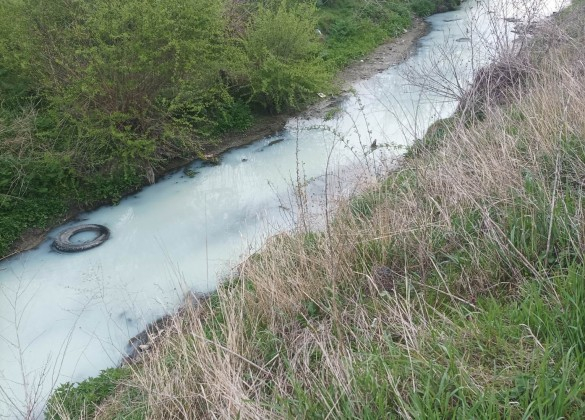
x,y
63,241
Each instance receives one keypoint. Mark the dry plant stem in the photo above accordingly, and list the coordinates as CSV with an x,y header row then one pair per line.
x,y
301,183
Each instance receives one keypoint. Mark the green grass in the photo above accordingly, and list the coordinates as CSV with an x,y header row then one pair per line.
x,y
81,399
353,28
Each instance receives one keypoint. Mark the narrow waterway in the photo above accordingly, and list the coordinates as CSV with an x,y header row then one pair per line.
x,y
64,317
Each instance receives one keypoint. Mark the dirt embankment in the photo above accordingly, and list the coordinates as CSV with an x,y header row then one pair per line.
x,y
383,57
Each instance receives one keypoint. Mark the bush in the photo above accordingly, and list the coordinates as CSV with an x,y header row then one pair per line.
x,y
210,113
103,65
284,69
423,7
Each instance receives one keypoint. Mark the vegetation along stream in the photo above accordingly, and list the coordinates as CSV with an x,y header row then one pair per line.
x,y
65,317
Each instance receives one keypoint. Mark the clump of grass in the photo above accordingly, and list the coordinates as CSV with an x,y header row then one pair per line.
x,y
453,289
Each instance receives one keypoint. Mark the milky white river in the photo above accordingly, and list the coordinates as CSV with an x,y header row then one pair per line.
x,y
65,317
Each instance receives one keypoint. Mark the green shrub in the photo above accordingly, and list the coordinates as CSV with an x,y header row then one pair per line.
x,y
284,67
103,65
210,113
81,399
423,7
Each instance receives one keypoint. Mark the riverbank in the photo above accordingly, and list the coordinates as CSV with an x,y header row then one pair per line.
x,y
388,54
452,289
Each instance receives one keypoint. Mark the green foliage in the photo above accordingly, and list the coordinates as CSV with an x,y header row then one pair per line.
x,y
81,399
433,138
31,182
423,7
109,66
284,68
210,113
354,28
365,204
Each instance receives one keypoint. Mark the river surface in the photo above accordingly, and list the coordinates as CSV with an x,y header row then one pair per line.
x,y
65,317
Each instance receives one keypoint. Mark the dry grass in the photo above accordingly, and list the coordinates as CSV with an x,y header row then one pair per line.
x,y
414,303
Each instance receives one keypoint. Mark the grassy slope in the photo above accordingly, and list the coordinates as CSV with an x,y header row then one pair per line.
x,y
453,289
